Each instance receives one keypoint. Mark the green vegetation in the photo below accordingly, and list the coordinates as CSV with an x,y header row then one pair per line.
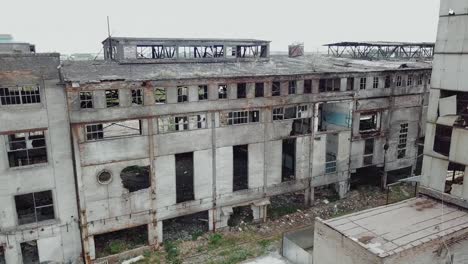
x,y
116,247
173,253
197,234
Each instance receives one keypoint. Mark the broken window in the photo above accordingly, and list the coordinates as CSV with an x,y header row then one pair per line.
x,y
288,169
442,139
202,92
350,84
34,207
307,86
259,89
182,94
301,126
26,148
291,112
222,91
160,95
402,140
197,223
180,123
86,100
409,81
376,83
292,87
137,96
388,81
119,241
420,79
240,117
454,179
155,52
362,83
240,166
20,95
330,85
369,122
454,103
331,153
135,178
113,130
276,89
241,90
112,98
239,215
398,81
30,252
251,51
278,114
368,151
184,177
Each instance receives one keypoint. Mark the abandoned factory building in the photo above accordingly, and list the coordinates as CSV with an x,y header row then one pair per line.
x,y
172,128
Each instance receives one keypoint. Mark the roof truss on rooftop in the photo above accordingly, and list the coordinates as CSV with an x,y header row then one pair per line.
x,y
382,50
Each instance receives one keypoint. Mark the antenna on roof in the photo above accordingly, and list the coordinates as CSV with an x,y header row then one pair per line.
x,y
109,38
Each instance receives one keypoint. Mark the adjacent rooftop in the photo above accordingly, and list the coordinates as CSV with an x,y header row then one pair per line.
x,y
388,230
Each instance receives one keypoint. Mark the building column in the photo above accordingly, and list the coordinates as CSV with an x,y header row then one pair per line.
x,y
309,196
91,248
152,233
342,188
259,213
159,228
13,254
212,219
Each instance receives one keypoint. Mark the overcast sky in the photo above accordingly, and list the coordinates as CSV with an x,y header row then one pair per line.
x,y
80,25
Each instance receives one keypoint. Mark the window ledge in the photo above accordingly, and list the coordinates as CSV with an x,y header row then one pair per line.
x,y
22,106
38,165
42,224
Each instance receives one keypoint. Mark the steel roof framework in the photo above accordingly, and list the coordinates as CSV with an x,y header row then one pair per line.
x,y
381,50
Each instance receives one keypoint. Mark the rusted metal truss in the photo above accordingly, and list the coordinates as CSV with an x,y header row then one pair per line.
x,y
382,50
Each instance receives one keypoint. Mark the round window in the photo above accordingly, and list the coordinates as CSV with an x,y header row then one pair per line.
x,y
104,177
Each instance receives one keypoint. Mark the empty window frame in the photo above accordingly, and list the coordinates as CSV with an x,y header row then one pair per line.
x,y
291,112
402,140
399,81
330,85
182,94
241,90
362,83
222,91
251,51
137,96
368,151
26,148
34,207
331,153
240,167
30,252
184,177
292,87
369,122
443,139
350,84
112,98
202,92
276,89
135,178
420,79
259,89
455,179
241,117
160,95
388,81
2,255
86,100
461,106
307,86
155,52
409,81
288,168
375,84
20,95
113,130
201,52
169,124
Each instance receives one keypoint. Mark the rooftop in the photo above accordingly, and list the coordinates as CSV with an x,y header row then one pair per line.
x,y
184,39
96,71
382,43
388,230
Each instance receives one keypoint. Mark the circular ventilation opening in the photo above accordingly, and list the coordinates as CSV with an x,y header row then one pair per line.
x,y
104,177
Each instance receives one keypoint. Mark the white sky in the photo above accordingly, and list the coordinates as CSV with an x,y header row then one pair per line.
x,y
80,25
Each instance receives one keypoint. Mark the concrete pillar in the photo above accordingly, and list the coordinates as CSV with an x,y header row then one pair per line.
x,y
160,231
300,87
213,92
343,84
99,99
309,196
125,97
193,93
315,86
222,217
232,91
267,89
284,88
342,188
171,95
250,90
212,219
152,234
92,248
148,95
13,254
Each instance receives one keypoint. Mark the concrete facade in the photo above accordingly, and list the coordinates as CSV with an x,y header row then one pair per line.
x,y
314,119
39,218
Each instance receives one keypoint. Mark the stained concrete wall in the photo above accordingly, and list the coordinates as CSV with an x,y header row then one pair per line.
x,y
58,239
